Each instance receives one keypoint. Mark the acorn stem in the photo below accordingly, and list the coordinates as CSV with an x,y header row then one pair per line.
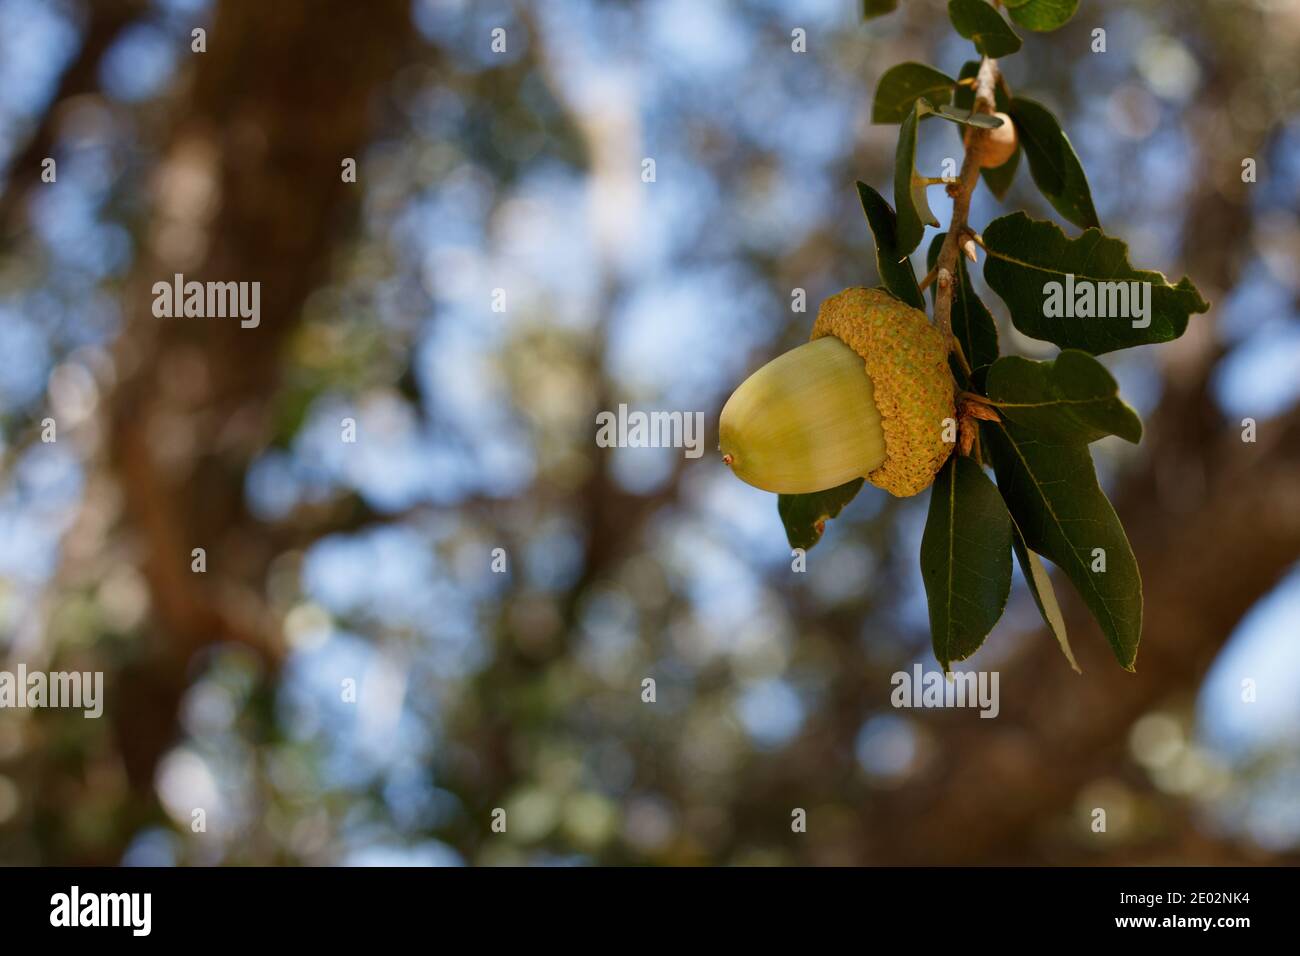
x,y
985,102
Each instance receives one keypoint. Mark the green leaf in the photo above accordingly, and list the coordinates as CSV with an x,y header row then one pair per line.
x,y
805,516
966,118
972,323
901,86
1070,399
1053,163
965,559
1050,281
1042,15
877,8
983,26
999,178
895,268
1054,497
909,188
932,256
1040,587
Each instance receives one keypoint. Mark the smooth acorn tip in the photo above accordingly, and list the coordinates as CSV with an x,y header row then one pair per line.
x,y
804,422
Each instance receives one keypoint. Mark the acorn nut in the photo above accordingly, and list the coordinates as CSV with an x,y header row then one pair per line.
x,y
995,146
867,397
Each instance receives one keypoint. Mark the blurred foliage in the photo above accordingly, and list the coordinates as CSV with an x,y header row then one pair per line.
x,y
522,690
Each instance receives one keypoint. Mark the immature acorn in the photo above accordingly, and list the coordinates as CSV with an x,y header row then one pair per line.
x,y
995,146
867,397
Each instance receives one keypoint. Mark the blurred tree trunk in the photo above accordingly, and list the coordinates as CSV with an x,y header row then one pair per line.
x,y
250,189
105,22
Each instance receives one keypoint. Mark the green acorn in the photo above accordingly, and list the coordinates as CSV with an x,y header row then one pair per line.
x,y
867,397
805,421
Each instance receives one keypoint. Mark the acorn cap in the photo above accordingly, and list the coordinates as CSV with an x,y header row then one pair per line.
x,y
907,362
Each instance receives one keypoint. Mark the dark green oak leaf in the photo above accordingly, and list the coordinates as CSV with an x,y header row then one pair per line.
x,y
805,516
1072,398
1052,492
894,266
980,23
965,559
1041,15
1031,264
1053,163
902,85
